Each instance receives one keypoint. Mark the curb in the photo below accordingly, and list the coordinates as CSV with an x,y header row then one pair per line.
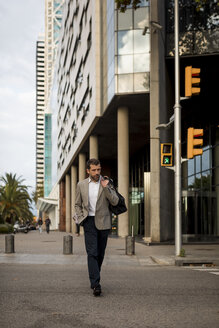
x,y
163,260
184,261
195,261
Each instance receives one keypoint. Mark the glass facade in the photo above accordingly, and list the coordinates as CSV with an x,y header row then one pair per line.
x,y
128,50
58,8
48,155
54,108
128,53
132,62
200,209
110,49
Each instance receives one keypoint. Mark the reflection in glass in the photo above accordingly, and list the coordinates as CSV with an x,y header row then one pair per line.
x,y
191,181
206,181
144,3
125,64
125,42
197,164
125,20
141,82
111,90
115,44
110,49
205,160
191,167
202,195
141,18
111,71
141,42
142,63
125,83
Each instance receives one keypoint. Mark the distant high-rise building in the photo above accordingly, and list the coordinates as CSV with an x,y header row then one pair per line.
x,y
53,17
45,59
40,108
47,156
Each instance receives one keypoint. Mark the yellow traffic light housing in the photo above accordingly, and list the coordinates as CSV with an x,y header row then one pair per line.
x,y
192,80
166,154
192,142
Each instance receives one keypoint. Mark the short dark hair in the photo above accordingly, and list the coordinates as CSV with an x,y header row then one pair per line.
x,y
92,161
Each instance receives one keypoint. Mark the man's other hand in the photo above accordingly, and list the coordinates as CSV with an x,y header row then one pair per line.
x,y
104,181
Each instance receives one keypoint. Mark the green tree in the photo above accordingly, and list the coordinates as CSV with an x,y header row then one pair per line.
x,y
203,183
38,193
15,202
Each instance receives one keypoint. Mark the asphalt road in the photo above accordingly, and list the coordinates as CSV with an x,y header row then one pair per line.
x,y
58,296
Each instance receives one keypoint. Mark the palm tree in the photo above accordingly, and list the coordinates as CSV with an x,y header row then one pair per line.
x,y
15,201
38,193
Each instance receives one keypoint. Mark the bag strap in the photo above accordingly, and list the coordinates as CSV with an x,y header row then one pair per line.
x,y
112,184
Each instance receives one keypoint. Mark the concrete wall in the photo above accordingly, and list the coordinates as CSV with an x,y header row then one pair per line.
x,y
161,198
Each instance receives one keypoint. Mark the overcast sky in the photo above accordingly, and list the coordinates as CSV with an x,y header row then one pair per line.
x,y
20,23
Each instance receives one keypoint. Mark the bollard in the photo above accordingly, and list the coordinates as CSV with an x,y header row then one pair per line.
x,y
130,245
67,245
9,244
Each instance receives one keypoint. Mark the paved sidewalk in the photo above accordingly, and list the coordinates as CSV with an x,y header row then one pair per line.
x,y
36,248
42,288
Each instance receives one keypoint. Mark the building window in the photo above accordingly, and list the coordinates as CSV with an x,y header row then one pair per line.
x,y
132,61
201,188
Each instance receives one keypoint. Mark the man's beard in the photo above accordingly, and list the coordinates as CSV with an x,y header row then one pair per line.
x,y
95,178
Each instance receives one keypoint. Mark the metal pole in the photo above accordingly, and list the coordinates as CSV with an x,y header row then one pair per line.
x,y
9,244
177,139
67,245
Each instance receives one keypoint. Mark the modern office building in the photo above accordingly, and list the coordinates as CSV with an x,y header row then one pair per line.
x,y
53,20
48,153
53,17
115,78
40,107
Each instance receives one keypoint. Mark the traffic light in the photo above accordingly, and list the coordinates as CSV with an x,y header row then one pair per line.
x,y
192,80
192,142
166,154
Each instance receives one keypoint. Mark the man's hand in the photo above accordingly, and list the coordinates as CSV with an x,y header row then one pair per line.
x,y
75,218
104,181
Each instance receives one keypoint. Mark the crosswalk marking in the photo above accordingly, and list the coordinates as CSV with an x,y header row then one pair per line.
x,y
214,271
206,269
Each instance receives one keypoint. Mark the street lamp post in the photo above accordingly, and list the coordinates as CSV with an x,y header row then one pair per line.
x,y
176,118
177,139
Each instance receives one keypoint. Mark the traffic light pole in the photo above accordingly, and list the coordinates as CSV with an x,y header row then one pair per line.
x,y
177,139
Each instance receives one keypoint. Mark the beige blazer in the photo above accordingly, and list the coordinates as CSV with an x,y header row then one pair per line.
x,y
103,217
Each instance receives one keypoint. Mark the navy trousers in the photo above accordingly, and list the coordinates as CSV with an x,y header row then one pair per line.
x,y
95,243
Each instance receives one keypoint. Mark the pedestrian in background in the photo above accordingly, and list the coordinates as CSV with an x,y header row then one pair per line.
x,y
47,222
40,223
93,196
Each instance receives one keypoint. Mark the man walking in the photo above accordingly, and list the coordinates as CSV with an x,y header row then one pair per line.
x,y
92,210
40,223
47,222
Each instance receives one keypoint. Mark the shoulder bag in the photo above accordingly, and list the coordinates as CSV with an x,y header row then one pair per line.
x,y
121,206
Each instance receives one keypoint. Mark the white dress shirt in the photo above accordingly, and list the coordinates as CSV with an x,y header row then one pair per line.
x,y
92,196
